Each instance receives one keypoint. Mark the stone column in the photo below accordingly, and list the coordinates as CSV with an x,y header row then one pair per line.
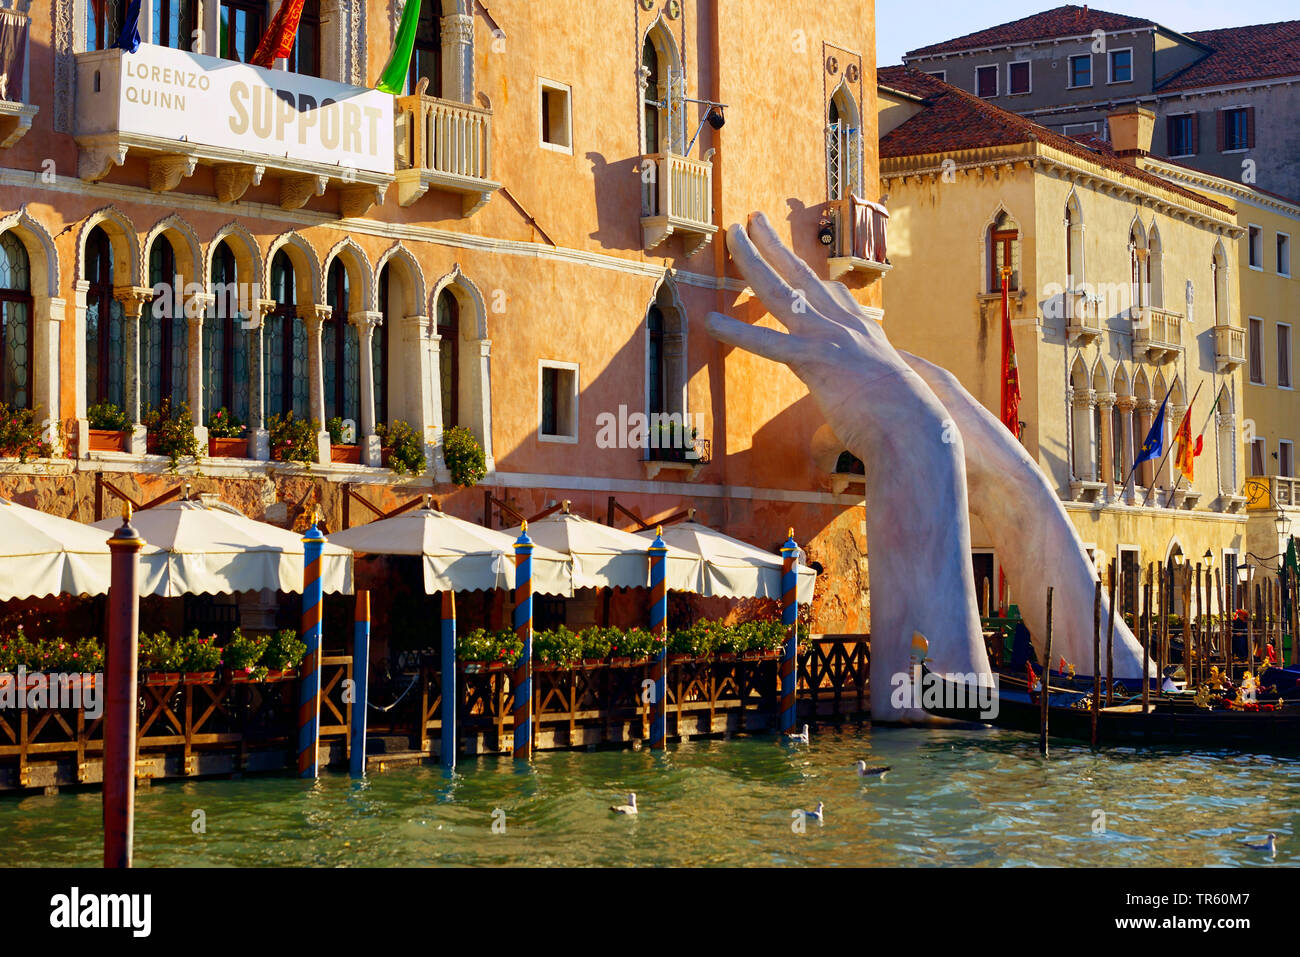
x,y
1126,404
1105,403
1172,421
481,415
133,300
47,324
196,307
313,316
259,439
1146,410
369,442
1226,424
1083,401
457,31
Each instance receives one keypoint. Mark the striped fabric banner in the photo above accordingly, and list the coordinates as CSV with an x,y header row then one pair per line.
x,y
659,628
309,673
789,618
522,682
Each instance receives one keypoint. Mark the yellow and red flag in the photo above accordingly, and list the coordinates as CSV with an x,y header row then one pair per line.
x,y
1010,370
278,39
1187,450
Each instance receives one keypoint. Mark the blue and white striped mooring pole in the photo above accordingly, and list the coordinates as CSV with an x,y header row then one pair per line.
x,y
360,684
448,677
659,628
789,619
313,543
523,675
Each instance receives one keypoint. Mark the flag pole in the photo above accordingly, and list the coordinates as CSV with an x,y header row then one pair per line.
x,y
1164,457
1133,468
1214,405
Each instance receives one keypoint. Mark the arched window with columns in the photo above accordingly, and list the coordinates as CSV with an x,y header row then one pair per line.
x,y
1121,429
843,145
284,344
340,349
225,343
164,351
466,358
1081,400
426,57
448,328
16,317
1155,270
665,353
1139,275
105,360
662,105
379,344
1003,252
1219,268
1073,243
1103,401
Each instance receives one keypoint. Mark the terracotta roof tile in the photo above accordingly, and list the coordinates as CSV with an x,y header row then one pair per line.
x,y
1065,21
954,120
1241,54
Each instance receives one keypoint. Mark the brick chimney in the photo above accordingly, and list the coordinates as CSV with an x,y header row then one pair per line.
x,y
1130,131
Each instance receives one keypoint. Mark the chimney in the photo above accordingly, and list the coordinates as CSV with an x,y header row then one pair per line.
x,y
1130,131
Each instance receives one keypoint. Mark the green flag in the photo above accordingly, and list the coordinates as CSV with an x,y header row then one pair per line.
x,y
393,79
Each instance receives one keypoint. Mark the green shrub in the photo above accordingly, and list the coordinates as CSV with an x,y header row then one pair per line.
x,y
158,652
222,424
483,645
243,652
293,439
198,653
20,435
107,416
464,456
558,647
334,426
174,428
284,650
406,447
638,643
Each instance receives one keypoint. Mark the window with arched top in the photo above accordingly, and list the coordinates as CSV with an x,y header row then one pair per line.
x,y
379,345
225,343
1139,266
662,101
105,359
665,326
843,147
1003,253
426,56
164,343
15,322
1219,267
655,373
1155,270
340,350
1073,243
284,341
449,357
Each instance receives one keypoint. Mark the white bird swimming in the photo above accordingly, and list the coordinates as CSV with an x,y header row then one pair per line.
x,y
628,808
819,814
800,737
878,770
1269,845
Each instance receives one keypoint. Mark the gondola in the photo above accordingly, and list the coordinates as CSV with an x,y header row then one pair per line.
x,y
1171,720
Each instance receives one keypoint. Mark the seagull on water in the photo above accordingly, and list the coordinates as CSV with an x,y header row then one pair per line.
x,y
799,737
875,771
817,815
628,808
1269,845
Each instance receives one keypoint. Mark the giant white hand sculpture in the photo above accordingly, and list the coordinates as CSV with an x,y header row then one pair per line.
x,y
918,434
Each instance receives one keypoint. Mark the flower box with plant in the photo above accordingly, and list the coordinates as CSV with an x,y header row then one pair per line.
x,y
226,436
284,653
557,648
343,447
598,644
464,457
242,654
640,645
402,447
161,659
200,657
171,433
110,429
293,439
20,435
676,444
483,650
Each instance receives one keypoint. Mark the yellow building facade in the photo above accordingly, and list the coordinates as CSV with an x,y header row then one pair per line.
x,y
1118,297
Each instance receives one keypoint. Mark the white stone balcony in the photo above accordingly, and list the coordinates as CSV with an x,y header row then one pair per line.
x,y
858,244
181,109
1082,322
1229,347
445,146
1159,332
678,200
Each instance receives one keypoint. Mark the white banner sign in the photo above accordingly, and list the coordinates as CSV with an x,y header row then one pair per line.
x,y
214,102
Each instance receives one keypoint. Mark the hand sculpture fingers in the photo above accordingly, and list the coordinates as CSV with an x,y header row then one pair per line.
x,y
794,351
789,305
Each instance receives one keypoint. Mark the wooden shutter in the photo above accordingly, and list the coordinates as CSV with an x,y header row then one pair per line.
x,y
1196,133
1250,127
1219,131
1171,124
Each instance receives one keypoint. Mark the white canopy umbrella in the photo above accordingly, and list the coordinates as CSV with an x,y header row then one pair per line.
x,y
605,557
213,548
732,568
458,555
42,554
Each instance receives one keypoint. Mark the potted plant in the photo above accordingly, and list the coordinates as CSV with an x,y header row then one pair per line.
x,y
597,645
640,645
463,456
293,439
226,436
171,433
160,659
284,652
242,654
200,658
109,427
343,447
402,447
554,649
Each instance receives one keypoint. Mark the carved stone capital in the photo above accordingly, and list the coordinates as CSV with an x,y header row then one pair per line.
x,y
457,28
1105,400
365,320
1083,398
133,299
1126,403
314,314
1147,405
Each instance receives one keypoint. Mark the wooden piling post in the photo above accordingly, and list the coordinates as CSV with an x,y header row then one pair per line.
x,y
1146,650
1116,572
120,695
1096,658
447,681
523,673
360,684
313,543
1250,605
1200,625
1047,674
659,628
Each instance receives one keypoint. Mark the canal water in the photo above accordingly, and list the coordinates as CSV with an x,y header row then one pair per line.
x,y
954,797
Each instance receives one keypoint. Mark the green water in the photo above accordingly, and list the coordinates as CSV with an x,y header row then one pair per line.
x,y
953,798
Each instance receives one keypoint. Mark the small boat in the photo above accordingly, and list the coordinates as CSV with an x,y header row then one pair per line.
x,y
1170,720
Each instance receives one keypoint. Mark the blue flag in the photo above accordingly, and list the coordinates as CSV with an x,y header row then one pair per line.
x,y
129,38
1154,446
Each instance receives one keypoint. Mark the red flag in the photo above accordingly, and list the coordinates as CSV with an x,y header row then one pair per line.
x,y
279,37
1185,456
1010,371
